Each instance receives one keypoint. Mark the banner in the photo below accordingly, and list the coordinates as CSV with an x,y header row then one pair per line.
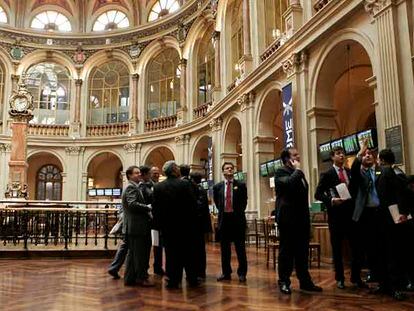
x,y
210,179
288,116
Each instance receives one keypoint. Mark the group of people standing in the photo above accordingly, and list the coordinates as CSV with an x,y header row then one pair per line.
x,y
178,210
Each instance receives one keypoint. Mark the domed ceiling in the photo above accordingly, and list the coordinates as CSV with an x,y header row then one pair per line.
x,y
80,16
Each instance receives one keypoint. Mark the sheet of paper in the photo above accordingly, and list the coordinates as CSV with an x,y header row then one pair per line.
x,y
155,237
343,191
395,213
272,182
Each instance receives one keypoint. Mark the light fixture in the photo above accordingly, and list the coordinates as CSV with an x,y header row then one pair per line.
x,y
172,84
237,67
152,88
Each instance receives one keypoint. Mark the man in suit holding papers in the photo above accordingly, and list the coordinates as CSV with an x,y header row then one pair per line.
x,y
332,190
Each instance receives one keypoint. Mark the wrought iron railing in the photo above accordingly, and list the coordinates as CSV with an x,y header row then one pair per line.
x,y
57,225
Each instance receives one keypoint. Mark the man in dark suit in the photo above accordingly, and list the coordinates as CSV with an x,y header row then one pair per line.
x,y
293,219
174,209
137,231
230,197
375,188
339,213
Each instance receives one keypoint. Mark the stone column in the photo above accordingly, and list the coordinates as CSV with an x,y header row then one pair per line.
x,y
131,154
183,91
5,150
133,109
246,62
179,148
395,72
216,126
75,127
74,188
217,71
15,80
247,103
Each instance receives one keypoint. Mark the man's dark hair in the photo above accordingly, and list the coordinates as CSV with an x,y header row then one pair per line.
x,y
185,170
226,163
387,156
336,149
144,169
130,170
285,155
196,177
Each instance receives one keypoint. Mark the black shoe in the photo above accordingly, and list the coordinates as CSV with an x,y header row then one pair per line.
x,y
194,283
397,295
285,289
171,285
360,284
114,274
130,283
340,284
378,290
370,279
224,277
242,279
311,288
159,272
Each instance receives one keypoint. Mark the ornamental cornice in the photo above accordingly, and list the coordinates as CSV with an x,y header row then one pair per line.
x,y
182,139
74,150
130,147
373,7
216,124
295,63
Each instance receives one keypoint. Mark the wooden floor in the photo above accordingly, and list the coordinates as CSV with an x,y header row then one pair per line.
x,y
82,284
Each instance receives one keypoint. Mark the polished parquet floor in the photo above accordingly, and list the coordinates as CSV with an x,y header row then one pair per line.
x,y
82,284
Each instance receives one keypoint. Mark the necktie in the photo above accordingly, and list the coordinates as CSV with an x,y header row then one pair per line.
x,y
341,175
373,199
228,208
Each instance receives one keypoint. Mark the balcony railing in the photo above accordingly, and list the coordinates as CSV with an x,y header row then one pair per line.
x,y
201,111
160,123
112,129
48,130
271,49
319,4
42,225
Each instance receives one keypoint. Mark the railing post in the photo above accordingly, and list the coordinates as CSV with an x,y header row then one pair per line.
x,y
106,230
66,228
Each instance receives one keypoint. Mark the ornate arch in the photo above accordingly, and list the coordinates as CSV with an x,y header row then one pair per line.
x,y
195,144
98,152
226,124
151,149
61,159
51,7
93,15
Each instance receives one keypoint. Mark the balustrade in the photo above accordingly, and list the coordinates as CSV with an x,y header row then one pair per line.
x,y
160,123
112,129
319,4
201,111
48,130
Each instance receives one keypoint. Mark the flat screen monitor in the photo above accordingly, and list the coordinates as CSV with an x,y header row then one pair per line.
x,y
263,170
337,143
116,192
242,176
236,176
270,168
108,192
324,151
277,164
100,192
371,134
351,144
92,192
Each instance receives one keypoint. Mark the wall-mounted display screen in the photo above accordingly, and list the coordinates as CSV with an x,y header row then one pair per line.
x,y
351,144
337,143
108,192
92,192
270,168
100,192
371,134
263,170
277,164
116,191
324,151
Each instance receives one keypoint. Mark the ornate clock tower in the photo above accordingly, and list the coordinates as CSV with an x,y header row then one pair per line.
x,y
20,111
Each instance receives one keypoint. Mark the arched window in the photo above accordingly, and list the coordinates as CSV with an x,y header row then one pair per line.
x,y
163,88
162,8
109,94
111,20
236,36
275,23
51,21
49,183
3,16
205,68
50,85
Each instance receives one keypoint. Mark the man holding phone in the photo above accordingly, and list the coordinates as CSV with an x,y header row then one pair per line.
x,y
293,219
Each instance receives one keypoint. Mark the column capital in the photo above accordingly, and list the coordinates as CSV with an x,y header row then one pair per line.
x,y
74,150
135,77
15,78
182,139
373,7
246,101
78,82
6,148
183,62
216,35
130,147
216,124
295,63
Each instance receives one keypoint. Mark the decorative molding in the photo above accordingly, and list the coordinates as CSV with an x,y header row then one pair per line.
x,y
74,150
246,101
182,139
216,124
135,77
297,62
373,7
130,147
5,148
78,82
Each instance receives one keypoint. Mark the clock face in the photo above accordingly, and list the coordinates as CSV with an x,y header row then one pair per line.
x,y
20,104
